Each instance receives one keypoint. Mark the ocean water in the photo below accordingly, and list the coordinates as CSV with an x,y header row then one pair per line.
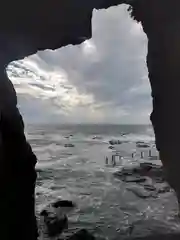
x,y
80,173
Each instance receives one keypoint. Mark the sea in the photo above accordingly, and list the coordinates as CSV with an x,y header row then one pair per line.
x,y
75,163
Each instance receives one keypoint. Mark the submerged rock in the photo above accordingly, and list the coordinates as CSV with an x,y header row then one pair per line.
x,y
69,145
55,218
131,179
111,147
97,138
115,142
140,192
138,172
142,145
63,203
54,224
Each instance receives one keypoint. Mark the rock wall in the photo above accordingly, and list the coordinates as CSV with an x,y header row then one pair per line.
x,y
161,23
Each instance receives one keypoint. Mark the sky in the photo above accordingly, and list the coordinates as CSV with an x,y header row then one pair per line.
x,y
103,80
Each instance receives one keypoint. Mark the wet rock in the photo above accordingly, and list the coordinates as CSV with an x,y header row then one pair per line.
x,y
140,142
142,145
143,169
82,235
54,224
131,179
69,145
111,147
149,187
163,188
97,138
140,192
63,203
55,216
67,137
115,142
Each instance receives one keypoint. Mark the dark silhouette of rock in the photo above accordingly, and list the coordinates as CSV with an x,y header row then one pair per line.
x,y
115,142
39,25
141,173
149,187
97,138
63,203
82,235
69,145
111,147
18,177
55,218
55,225
142,145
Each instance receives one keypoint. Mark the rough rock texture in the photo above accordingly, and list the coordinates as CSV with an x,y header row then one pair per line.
x,y
28,26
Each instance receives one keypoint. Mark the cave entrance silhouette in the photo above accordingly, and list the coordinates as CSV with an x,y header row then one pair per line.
x,y
33,26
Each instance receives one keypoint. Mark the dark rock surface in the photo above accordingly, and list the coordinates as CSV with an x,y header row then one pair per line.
x,y
142,145
17,175
115,142
54,219
69,145
63,203
54,224
111,147
149,179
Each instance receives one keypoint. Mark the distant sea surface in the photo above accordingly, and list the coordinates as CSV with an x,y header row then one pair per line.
x,y
72,165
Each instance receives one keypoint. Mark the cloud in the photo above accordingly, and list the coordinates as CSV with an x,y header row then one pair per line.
x,y
102,80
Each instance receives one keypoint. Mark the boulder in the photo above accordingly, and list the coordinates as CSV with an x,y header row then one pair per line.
x,y
115,142
131,179
69,145
54,224
111,147
142,145
63,203
142,170
97,138
55,218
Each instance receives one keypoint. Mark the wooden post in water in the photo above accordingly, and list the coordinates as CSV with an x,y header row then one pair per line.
x,y
150,153
113,160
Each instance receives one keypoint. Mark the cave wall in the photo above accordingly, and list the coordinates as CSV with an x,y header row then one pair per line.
x,y
27,27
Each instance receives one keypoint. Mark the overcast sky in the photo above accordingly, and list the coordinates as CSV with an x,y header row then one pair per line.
x,y
103,80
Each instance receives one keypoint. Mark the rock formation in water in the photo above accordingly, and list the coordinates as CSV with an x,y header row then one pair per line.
x,y
29,26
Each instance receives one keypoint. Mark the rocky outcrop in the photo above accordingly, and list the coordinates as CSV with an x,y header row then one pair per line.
x,y
69,145
148,178
115,142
